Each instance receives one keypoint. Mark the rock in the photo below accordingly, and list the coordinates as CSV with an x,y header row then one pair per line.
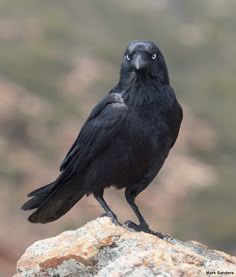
x,y
101,248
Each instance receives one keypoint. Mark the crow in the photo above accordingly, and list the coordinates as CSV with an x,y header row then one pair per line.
x,y
123,143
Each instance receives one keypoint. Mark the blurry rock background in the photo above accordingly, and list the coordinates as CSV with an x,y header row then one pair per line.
x,y
58,58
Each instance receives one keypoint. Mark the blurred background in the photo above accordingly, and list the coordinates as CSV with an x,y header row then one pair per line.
x,y
58,58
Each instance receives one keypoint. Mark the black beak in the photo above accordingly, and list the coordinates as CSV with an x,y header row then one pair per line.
x,y
139,63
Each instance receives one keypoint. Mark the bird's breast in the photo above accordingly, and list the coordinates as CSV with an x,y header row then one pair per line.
x,y
146,134
144,141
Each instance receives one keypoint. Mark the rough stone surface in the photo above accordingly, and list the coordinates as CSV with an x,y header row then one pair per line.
x,y
103,249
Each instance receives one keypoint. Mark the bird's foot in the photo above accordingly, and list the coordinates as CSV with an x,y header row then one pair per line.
x,y
144,228
113,218
131,225
102,215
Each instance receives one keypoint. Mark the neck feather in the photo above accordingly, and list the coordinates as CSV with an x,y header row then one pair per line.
x,y
140,90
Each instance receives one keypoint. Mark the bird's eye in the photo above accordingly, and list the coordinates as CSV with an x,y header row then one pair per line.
x,y
154,56
128,57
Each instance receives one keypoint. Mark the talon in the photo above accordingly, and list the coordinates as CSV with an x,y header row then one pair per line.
x,y
102,215
144,228
115,221
157,234
112,217
130,224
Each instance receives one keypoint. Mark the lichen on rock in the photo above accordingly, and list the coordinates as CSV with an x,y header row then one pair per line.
x,y
101,248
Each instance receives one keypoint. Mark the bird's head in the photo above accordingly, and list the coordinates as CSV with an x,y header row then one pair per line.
x,y
144,59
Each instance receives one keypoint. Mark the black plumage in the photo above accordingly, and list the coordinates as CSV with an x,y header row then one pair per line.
x,y
123,143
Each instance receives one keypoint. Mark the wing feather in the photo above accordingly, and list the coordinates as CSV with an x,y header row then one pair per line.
x,y
101,126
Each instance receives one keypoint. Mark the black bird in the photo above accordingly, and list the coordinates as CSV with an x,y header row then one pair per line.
x,y
123,143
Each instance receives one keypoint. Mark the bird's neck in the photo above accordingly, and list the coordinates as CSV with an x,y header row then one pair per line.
x,y
140,90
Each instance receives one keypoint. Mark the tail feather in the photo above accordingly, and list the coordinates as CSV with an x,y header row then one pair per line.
x,y
42,190
53,200
40,195
51,210
33,203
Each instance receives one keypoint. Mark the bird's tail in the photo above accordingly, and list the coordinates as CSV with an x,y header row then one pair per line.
x,y
52,201
39,195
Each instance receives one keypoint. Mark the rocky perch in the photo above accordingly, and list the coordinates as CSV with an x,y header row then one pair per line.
x,y
101,248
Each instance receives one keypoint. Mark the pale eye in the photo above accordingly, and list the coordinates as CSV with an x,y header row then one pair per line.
x,y
154,56
128,57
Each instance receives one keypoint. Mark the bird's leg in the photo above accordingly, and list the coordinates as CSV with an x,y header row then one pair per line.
x,y
143,226
99,197
130,197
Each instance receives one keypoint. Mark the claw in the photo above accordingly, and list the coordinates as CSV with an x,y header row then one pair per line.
x,y
144,228
112,217
131,225
102,215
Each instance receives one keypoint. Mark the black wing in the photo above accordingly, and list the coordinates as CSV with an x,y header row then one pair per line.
x,y
176,110
101,126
